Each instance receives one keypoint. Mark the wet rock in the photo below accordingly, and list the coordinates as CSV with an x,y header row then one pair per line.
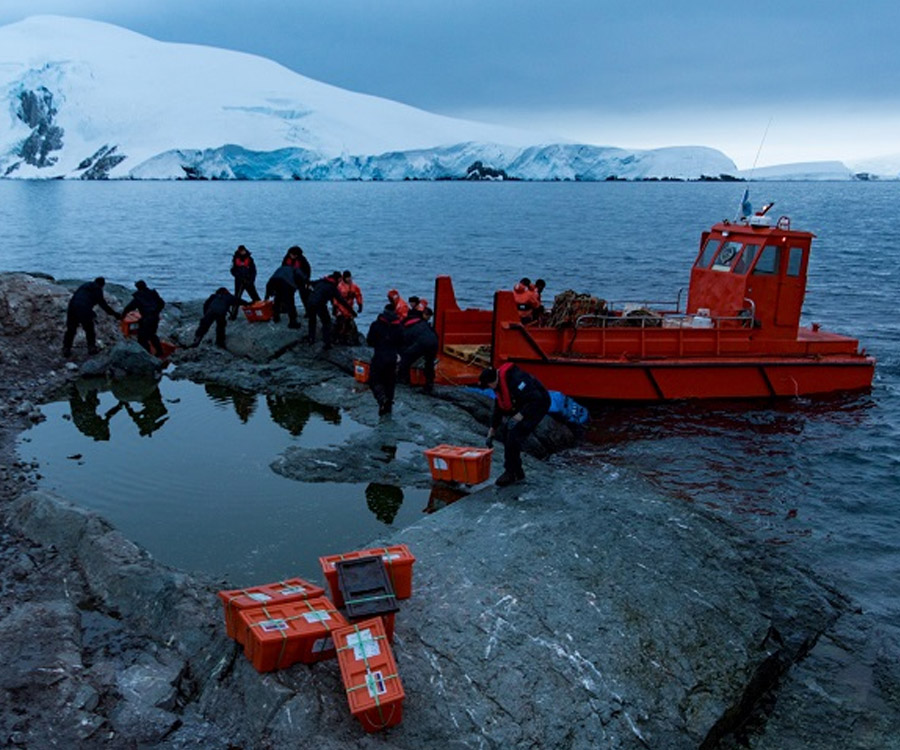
x,y
123,359
578,609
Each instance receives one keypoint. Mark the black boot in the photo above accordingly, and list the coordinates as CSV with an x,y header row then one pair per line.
x,y
507,478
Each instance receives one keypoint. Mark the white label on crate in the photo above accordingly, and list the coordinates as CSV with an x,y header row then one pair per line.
x,y
363,644
259,596
440,463
288,590
375,684
317,616
270,626
323,644
391,556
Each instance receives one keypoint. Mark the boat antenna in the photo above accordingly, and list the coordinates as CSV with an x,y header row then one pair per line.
x,y
746,208
759,150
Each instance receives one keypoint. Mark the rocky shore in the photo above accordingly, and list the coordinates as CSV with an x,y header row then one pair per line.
x,y
578,610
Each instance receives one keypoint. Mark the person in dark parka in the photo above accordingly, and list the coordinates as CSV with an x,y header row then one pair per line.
x,y
243,268
215,310
385,337
81,313
295,257
419,341
323,291
282,286
523,401
149,304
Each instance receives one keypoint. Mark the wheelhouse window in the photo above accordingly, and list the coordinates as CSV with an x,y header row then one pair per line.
x,y
709,249
727,253
746,259
769,260
795,261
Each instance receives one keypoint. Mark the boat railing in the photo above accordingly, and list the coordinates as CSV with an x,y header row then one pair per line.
x,y
616,307
744,319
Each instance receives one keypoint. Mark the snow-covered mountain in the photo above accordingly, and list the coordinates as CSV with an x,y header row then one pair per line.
x,y
90,100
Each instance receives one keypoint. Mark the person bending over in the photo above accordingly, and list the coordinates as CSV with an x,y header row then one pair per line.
x,y
522,401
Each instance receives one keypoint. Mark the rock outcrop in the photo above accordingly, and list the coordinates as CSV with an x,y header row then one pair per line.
x,y
578,610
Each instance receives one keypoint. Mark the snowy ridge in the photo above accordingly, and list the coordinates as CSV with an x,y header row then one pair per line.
x,y
90,100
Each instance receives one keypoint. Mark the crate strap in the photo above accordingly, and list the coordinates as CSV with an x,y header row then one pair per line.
x,y
384,722
388,558
313,609
283,638
369,598
248,593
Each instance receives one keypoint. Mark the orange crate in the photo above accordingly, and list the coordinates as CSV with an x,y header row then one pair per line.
x,y
453,463
129,324
259,312
167,348
374,691
398,562
361,370
281,635
279,592
416,376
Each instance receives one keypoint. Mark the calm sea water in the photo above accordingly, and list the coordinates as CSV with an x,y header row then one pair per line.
x,y
820,476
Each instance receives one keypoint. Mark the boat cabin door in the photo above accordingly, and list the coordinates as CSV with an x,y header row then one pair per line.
x,y
792,284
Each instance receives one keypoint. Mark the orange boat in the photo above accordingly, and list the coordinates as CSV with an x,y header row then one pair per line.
x,y
739,335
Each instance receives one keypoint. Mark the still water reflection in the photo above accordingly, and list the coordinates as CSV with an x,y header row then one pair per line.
x,y
184,470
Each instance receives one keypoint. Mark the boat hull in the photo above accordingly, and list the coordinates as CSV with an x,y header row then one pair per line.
x,y
720,379
646,363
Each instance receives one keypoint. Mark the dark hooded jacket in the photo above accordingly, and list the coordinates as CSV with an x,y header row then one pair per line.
x,y
147,302
219,303
293,277
385,337
526,392
324,291
245,273
88,296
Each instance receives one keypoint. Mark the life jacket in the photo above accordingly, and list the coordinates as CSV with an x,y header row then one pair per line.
x,y
243,262
504,397
526,297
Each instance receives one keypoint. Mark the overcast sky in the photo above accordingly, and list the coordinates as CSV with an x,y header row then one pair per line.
x,y
804,80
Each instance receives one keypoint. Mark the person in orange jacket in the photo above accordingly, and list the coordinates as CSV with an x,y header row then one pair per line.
x,y
401,308
528,300
344,327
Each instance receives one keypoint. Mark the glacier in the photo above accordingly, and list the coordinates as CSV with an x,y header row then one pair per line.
x,y
90,100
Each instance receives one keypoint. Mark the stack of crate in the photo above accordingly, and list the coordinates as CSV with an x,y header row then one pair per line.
x,y
288,622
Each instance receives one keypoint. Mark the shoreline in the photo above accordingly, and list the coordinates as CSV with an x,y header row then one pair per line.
x,y
564,612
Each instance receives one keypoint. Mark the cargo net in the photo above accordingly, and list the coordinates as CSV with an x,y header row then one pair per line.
x,y
572,309
569,306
